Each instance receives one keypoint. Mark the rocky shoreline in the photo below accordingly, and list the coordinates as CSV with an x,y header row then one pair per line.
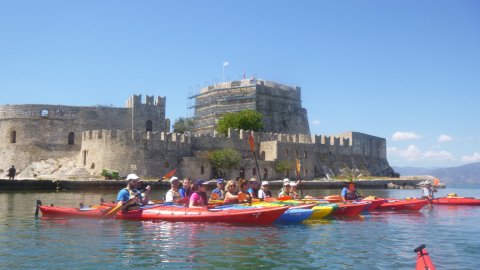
x,y
35,184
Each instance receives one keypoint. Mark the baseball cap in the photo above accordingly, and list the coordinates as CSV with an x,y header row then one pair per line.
x,y
132,176
174,178
286,180
264,183
220,180
200,182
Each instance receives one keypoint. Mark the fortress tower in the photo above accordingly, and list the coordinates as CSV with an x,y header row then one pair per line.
x,y
281,105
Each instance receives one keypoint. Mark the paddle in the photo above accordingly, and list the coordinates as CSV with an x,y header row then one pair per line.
x,y
214,196
419,251
115,209
252,148
242,197
299,180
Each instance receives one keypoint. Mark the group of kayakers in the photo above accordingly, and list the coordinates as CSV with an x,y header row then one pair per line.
x,y
194,194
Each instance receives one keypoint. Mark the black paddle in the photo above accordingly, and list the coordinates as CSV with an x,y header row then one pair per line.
x,y
419,249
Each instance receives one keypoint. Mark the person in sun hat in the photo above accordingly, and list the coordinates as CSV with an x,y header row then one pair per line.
x,y
293,190
173,195
264,191
199,198
219,192
131,196
285,190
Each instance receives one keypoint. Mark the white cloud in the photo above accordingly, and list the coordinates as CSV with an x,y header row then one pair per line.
x,y
444,138
316,122
475,157
403,136
412,153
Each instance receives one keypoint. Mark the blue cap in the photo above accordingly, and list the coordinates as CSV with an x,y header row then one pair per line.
x,y
220,180
200,182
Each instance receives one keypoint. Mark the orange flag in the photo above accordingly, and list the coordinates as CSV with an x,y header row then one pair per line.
x,y
298,166
170,174
251,142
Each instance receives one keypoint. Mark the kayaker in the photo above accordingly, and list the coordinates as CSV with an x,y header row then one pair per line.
x,y
173,194
231,194
427,192
132,192
243,188
264,191
186,187
219,192
285,190
199,198
349,193
253,188
293,190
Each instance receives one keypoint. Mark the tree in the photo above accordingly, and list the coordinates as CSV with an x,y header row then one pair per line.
x,y
283,166
246,120
183,125
224,159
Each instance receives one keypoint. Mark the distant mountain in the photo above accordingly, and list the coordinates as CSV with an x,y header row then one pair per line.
x,y
412,170
465,175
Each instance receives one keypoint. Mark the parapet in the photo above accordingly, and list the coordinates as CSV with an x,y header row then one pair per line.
x,y
136,101
136,137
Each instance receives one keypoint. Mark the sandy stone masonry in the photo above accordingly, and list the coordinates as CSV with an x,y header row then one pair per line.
x,y
71,141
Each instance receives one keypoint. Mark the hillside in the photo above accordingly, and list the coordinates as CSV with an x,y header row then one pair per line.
x,y
465,175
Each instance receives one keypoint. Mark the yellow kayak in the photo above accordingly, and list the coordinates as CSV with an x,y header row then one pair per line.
x,y
321,211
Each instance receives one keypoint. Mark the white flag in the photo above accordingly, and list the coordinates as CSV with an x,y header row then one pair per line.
x,y
225,64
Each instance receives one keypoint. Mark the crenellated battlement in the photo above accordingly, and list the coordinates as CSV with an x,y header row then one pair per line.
x,y
334,140
136,101
138,137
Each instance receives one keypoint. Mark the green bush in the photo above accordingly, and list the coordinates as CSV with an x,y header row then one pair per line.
x,y
246,120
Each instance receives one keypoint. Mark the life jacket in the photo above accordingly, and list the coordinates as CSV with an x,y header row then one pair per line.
x,y
351,195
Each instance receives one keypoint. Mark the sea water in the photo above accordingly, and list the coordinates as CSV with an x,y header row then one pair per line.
x,y
383,240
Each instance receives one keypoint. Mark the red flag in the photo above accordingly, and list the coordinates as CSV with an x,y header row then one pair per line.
x,y
170,174
252,142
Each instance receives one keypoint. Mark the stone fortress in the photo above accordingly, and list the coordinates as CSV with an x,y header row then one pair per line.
x,y
79,142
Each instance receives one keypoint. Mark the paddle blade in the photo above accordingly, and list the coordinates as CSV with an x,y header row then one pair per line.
x,y
113,211
170,174
251,142
297,167
215,196
242,196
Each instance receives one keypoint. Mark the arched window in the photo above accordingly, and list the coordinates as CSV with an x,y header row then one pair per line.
x,y
305,154
254,171
202,170
13,136
44,113
265,173
241,173
262,155
71,138
214,172
149,125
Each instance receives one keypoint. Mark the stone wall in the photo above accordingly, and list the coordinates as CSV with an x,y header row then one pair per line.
x,y
147,153
36,132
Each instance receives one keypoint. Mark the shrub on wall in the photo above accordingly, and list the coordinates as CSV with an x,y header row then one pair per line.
x,y
183,125
224,159
284,166
246,120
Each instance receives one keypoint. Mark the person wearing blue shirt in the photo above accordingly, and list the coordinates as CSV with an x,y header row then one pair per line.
x,y
219,192
349,193
129,196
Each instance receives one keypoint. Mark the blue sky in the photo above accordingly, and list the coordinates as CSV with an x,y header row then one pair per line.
x,y
408,71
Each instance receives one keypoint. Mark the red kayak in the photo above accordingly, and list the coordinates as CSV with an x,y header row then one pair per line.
x,y
350,209
255,216
456,201
404,205
423,259
374,203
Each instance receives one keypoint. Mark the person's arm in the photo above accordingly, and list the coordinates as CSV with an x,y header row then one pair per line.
x,y
169,196
230,197
343,194
145,199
